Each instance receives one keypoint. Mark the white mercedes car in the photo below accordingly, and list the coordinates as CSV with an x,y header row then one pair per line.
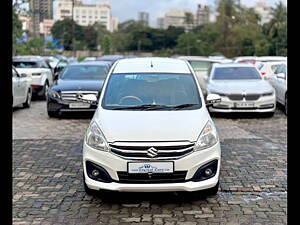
x,y
151,131
21,89
241,88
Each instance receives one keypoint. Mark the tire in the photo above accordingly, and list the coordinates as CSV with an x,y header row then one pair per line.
x,y
89,191
213,190
269,114
286,105
44,91
28,99
52,114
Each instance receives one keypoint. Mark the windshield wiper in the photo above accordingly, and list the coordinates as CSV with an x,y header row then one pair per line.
x,y
144,107
151,106
183,106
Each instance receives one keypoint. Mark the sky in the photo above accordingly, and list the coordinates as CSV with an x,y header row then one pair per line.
x,y
128,9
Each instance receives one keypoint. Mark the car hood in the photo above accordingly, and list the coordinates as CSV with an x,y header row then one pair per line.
x,y
239,86
76,85
181,125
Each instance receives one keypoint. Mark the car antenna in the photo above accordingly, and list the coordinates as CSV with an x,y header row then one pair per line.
x,y
151,63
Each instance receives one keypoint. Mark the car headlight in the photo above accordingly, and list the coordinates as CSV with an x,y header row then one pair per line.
x,y
268,93
208,137
217,93
95,138
53,93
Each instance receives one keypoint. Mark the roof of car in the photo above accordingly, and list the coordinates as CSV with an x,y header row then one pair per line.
x,y
200,58
151,65
28,59
91,63
233,65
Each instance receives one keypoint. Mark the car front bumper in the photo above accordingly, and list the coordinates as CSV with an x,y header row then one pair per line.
x,y
262,105
113,164
58,105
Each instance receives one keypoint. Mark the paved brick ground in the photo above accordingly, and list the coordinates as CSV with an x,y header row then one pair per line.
x,y
48,188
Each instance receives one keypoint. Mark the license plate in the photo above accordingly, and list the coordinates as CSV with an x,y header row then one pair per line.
x,y
244,105
79,105
151,167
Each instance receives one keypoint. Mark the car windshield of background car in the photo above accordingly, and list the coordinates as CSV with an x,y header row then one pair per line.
x,y
85,72
235,73
25,64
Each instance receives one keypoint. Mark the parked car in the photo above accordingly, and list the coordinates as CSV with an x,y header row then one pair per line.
x,y
21,89
151,131
202,66
267,69
241,88
279,82
57,64
76,79
36,68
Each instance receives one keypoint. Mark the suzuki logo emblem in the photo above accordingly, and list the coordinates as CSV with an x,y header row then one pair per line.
x,y
152,152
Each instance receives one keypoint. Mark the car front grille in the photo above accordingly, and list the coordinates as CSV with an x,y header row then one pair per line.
x,y
239,97
152,151
71,96
175,177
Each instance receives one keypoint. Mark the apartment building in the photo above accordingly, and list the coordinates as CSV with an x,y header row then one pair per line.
x,y
85,15
264,11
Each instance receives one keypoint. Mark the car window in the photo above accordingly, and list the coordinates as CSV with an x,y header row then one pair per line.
x,y
85,72
274,68
150,88
282,69
25,64
235,73
199,65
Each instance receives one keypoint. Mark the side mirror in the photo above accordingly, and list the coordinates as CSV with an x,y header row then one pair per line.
x,y
212,98
280,75
92,99
23,75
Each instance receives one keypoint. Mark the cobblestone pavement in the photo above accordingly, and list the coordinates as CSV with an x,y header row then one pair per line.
x,y
48,186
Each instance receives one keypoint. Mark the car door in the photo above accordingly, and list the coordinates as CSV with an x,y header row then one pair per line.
x,y
48,72
16,88
281,84
23,87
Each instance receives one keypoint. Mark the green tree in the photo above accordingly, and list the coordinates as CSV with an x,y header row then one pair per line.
x,y
276,30
63,31
16,30
106,45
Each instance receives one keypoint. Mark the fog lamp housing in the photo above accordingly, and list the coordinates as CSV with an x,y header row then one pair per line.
x,y
206,171
97,172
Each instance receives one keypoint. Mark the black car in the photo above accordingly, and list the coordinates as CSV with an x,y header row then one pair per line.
x,y
74,81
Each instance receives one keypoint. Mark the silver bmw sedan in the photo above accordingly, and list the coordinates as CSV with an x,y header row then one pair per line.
x,y
241,89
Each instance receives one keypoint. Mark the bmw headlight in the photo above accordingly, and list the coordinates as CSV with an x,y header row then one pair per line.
x,y
53,94
268,93
208,137
95,138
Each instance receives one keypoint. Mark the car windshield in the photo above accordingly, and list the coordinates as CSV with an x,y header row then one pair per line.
x,y
145,91
85,72
26,64
235,73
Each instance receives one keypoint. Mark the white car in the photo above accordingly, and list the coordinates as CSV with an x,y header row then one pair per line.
x,y
279,82
21,89
241,88
154,133
268,69
40,72
88,59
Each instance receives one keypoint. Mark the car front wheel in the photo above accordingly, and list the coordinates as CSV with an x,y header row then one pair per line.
x,y
28,99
